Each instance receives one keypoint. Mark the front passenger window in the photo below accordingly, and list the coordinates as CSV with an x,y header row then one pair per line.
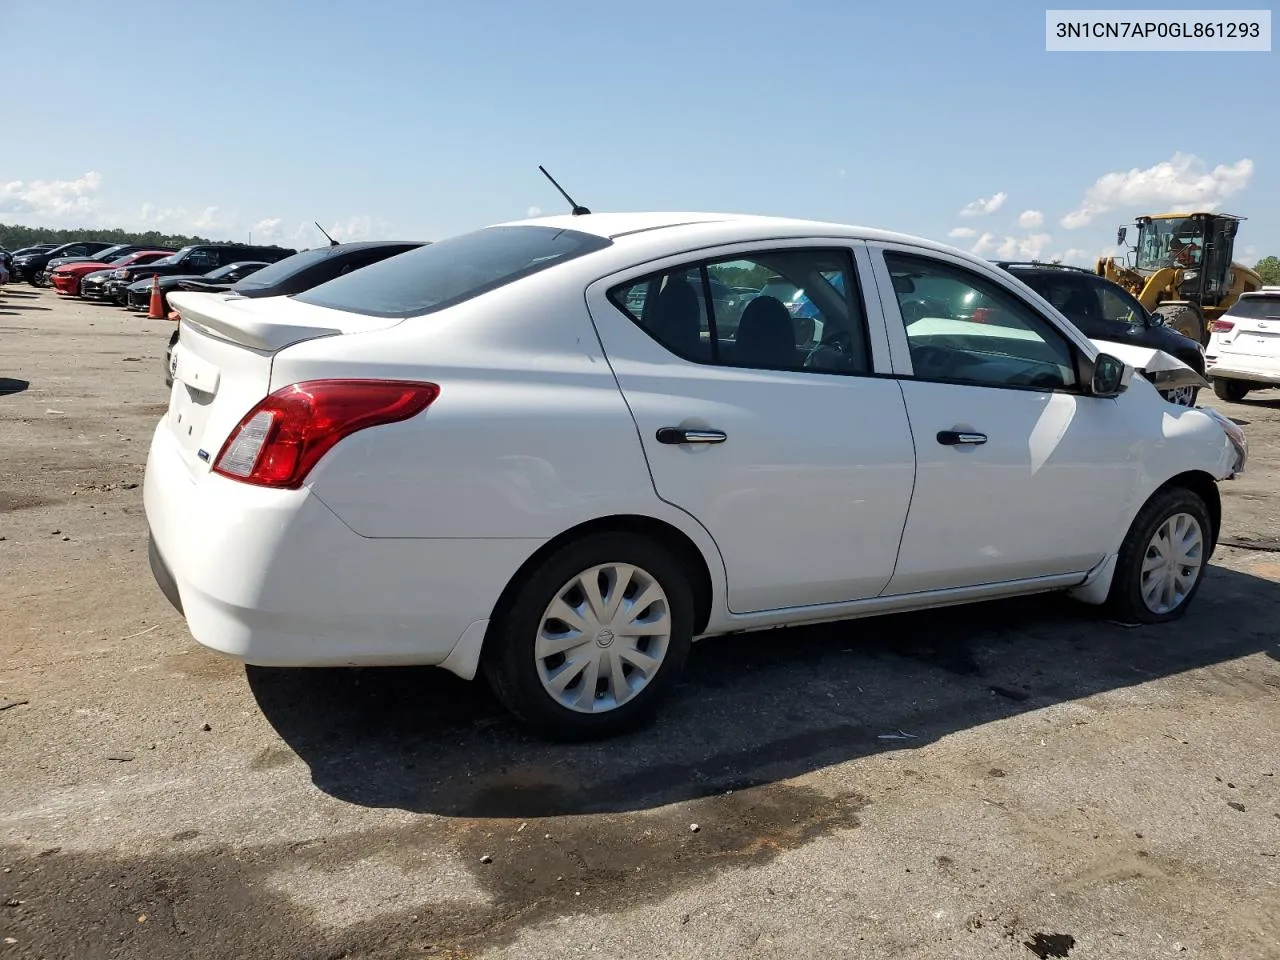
x,y
964,328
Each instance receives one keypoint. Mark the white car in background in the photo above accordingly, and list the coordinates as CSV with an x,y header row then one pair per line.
x,y
1244,346
528,450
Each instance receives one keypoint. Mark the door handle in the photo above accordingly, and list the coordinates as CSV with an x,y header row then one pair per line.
x,y
952,438
678,435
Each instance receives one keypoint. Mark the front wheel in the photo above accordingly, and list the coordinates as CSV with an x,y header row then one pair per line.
x,y
1232,391
1181,396
1162,560
594,638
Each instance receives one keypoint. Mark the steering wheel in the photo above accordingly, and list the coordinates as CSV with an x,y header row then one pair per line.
x,y
1043,380
833,352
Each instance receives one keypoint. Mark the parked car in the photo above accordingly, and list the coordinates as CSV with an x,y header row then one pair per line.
x,y
1244,346
139,292
109,255
31,265
67,278
1106,311
192,260
519,451
303,271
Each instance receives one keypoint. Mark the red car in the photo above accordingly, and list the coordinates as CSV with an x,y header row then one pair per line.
x,y
66,278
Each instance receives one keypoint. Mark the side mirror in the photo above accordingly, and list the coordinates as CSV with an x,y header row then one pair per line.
x,y
1110,376
1120,235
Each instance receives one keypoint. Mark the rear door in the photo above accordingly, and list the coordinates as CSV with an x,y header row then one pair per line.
x,y
795,455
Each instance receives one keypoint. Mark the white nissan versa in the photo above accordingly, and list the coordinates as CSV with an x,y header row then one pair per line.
x,y
532,450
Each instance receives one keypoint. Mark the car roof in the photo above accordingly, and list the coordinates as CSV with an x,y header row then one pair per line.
x,y
717,228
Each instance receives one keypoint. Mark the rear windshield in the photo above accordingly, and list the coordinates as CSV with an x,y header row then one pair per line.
x,y
287,267
1256,308
443,274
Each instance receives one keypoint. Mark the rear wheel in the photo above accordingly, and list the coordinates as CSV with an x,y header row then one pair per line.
x,y
1162,560
1231,390
594,638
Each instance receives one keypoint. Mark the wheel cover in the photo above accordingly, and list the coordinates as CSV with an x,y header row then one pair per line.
x,y
1172,563
1182,396
603,638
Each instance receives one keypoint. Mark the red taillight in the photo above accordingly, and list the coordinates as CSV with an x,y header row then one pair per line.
x,y
284,436
1222,326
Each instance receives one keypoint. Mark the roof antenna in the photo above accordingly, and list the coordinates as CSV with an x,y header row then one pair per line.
x,y
577,210
332,242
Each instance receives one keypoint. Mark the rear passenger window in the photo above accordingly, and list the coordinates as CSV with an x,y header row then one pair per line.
x,y
785,310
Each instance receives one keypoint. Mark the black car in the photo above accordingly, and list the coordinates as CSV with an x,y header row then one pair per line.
x,y
139,292
196,259
111,254
31,265
1101,310
303,271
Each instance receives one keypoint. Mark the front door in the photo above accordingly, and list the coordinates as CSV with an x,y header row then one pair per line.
x,y
1020,474
760,416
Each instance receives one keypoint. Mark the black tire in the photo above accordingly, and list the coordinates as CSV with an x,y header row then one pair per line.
x,y
1191,397
1125,601
509,660
1232,391
1186,320
168,360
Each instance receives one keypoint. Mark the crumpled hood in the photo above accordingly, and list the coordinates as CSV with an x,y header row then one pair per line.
x,y
1164,370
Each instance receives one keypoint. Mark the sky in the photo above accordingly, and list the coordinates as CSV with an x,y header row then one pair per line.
x,y
418,120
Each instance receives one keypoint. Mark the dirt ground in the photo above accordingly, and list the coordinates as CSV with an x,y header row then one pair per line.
x,y
1009,780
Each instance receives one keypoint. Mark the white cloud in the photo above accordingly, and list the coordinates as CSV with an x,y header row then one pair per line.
x,y
984,205
1183,181
1029,247
353,228
1075,257
50,201
534,212
962,233
1030,219
209,219
985,244
267,230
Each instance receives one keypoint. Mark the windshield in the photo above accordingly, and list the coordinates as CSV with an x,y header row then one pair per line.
x,y
1256,308
1177,242
443,274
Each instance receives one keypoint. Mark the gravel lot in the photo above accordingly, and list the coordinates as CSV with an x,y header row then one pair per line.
x,y
1007,780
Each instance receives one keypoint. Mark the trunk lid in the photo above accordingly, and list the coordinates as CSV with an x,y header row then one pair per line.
x,y
221,364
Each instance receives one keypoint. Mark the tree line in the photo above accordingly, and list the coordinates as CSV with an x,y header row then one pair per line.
x,y
15,237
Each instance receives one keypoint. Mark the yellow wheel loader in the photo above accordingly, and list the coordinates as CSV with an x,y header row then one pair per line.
x,y
1182,269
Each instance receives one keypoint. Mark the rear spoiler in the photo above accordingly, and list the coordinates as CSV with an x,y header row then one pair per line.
x,y
262,324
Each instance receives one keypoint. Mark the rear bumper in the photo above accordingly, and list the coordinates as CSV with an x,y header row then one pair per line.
x,y
274,578
1244,367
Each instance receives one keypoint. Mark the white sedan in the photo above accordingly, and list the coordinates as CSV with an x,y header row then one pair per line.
x,y
530,451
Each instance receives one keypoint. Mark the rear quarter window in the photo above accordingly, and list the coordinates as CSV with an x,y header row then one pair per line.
x,y
448,272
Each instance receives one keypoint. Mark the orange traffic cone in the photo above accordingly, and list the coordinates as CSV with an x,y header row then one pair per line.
x,y
156,311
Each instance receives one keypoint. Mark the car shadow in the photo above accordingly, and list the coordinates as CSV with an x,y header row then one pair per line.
x,y
21,306
10,385
753,709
